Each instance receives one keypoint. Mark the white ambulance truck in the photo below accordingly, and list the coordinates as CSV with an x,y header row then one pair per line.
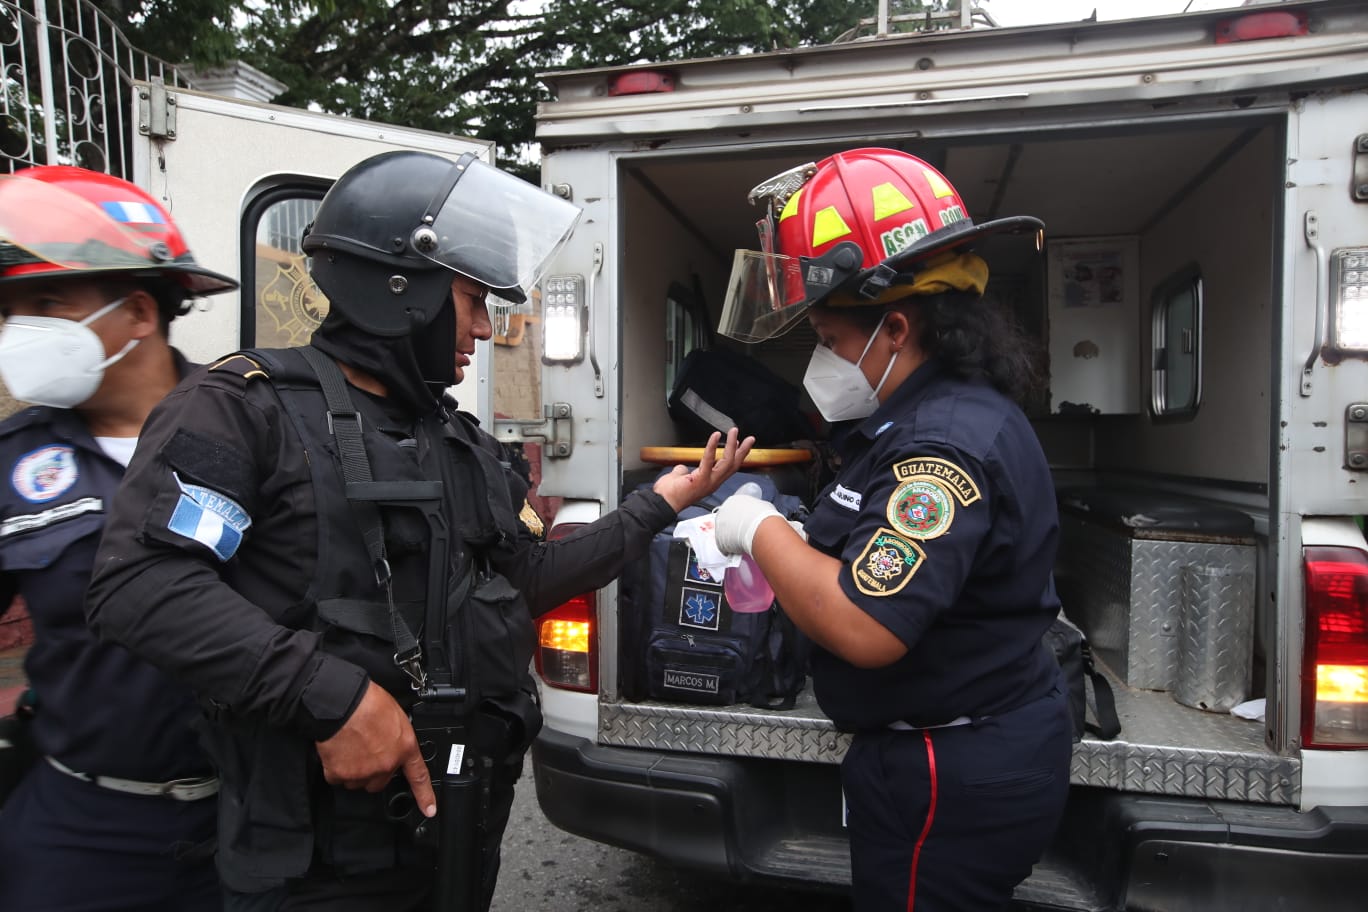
x,y
1202,294
1203,297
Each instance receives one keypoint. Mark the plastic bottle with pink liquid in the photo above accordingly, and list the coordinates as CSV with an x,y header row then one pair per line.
x,y
746,588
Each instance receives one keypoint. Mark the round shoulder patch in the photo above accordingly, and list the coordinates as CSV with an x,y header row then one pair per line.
x,y
922,508
45,473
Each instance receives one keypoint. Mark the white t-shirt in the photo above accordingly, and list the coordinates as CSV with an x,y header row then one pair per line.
x,y
120,449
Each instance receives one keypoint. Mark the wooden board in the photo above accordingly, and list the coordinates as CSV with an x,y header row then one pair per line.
x,y
757,458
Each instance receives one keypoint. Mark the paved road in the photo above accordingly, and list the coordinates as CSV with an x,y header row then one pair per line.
x,y
545,868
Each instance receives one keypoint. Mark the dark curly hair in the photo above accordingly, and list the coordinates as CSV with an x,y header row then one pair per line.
x,y
971,336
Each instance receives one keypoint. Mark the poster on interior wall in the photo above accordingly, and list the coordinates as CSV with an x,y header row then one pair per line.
x,y
1093,287
1093,277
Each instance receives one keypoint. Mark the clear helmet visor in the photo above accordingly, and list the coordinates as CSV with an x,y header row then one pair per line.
x,y
52,225
497,229
765,296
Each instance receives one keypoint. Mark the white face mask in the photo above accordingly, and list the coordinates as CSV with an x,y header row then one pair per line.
x,y
55,362
838,388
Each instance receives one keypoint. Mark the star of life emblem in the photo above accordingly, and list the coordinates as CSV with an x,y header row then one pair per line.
x,y
700,608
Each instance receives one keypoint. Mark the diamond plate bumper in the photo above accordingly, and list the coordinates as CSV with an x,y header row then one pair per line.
x,y
1164,749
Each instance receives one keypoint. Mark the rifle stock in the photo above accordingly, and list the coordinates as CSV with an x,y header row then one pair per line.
x,y
443,728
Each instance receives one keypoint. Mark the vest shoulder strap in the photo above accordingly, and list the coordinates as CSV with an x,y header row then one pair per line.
x,y
280,366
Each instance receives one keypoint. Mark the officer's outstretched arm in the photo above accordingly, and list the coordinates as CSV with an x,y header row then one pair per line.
x,y
549,573
684,487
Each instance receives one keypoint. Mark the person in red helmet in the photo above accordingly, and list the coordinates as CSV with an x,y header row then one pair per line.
x,y
925,574
118,812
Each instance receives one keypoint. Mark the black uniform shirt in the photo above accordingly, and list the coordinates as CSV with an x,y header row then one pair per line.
x,y
943,513
101,710
220,603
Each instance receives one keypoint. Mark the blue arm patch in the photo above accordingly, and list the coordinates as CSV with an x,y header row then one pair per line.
x,y
210,518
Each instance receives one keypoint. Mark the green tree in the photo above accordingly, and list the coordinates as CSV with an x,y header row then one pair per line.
x,y
465,66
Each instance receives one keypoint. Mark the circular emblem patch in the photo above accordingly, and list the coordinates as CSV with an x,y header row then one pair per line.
x,y
921,508
44,473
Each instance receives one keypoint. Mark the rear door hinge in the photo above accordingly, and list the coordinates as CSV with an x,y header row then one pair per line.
x,y
554,432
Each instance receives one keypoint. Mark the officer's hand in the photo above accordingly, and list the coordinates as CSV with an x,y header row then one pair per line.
x,y
682,487
737,519
376,740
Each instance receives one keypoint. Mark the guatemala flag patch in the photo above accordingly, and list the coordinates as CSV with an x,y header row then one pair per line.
x,y
132,213
206,516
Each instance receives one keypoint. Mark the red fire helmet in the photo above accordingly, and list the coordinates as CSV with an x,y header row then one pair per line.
x,y
853,225
58,221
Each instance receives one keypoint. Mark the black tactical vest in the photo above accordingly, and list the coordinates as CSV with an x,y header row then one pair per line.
x,y
274,833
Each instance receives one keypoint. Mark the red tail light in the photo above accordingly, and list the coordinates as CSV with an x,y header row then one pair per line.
x,y
1254,26
567,638
641,82
1335,669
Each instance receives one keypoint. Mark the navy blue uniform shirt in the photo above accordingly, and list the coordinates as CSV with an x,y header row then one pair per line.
x,y
101,710
943,513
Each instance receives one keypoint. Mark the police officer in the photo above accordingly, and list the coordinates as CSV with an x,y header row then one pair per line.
x,y
925,579
247,555
119,812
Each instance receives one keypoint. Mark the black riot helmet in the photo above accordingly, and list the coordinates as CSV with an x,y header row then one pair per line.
x,y
392,230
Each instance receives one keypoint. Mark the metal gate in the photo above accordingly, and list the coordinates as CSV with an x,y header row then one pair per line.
x,y
67,75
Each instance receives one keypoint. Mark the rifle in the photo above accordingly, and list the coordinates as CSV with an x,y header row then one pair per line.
x,y
456,834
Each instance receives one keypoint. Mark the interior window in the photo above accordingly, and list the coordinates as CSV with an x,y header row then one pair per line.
x,y
1177,340
287,304
686,328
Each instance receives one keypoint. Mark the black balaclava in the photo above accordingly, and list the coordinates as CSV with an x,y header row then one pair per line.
x,y
414,368
434,346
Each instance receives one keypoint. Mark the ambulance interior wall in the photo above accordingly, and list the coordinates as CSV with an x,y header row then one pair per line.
x,y
1217,212
1225,227
657,250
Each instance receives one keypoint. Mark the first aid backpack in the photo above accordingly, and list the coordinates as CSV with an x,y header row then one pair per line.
x,y
683,643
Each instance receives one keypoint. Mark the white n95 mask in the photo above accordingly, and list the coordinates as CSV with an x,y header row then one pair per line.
x,y
838,388
55,362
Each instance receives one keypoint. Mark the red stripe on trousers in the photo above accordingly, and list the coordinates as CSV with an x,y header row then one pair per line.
x,y
926,827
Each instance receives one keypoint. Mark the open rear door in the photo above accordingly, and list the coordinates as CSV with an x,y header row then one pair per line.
x,y
1321,448
242,180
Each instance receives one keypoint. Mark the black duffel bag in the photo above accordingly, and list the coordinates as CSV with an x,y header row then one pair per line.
x,y
716,389
1071,648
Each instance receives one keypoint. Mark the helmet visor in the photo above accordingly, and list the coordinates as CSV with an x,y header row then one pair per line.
x,y
48,224
765,296
499,230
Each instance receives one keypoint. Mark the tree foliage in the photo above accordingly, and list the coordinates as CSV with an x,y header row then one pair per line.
x,y
463,66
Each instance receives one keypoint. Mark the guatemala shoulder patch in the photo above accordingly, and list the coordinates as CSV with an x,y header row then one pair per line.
x,y
941,471
886,563
210,518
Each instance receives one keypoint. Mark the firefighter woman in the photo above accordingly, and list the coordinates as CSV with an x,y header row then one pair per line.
x,y
119,812
925,577
319,543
